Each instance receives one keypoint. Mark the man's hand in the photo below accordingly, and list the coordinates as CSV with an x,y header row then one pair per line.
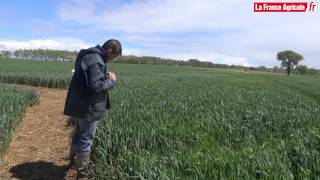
x,y
111,75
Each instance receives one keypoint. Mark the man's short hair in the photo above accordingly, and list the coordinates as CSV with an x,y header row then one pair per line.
x,y
114,45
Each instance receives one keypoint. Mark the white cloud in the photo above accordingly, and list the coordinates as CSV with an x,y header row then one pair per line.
x,y
63,43
54,43
153,15
230,27
226,31
133,51
176,15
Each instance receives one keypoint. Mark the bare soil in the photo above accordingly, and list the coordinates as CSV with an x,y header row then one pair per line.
x,y
40,145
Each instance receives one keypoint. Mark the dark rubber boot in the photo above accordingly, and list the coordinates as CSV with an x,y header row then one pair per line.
x,y
82,165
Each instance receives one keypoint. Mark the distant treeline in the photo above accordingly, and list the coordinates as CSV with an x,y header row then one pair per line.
x,y
156,60
61,55
40,54
300,69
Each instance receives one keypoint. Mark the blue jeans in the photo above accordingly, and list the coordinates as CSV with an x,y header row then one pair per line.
x,y
83,135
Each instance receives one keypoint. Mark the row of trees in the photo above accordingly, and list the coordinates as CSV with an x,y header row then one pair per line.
x,y
40,54
303,69
59,55
289,60
299,69
156,60
5,54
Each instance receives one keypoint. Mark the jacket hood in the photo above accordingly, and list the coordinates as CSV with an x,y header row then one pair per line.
x,y
97,49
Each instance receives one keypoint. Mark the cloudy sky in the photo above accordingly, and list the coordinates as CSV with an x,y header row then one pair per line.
x,y
220,31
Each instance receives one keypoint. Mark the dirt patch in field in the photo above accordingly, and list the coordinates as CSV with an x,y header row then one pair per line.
x,y
40,145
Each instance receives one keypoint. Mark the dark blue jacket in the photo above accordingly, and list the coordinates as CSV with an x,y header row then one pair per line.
x,y
88,96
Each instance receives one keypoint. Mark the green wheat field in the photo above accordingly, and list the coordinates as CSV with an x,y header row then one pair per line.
x,y
169,122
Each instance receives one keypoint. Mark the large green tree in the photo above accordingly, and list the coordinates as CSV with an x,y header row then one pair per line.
x,y
289,59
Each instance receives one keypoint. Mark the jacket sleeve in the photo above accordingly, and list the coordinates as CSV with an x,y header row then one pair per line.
x,y
97,81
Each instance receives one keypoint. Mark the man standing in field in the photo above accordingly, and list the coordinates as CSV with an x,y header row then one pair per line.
x,y
88,100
